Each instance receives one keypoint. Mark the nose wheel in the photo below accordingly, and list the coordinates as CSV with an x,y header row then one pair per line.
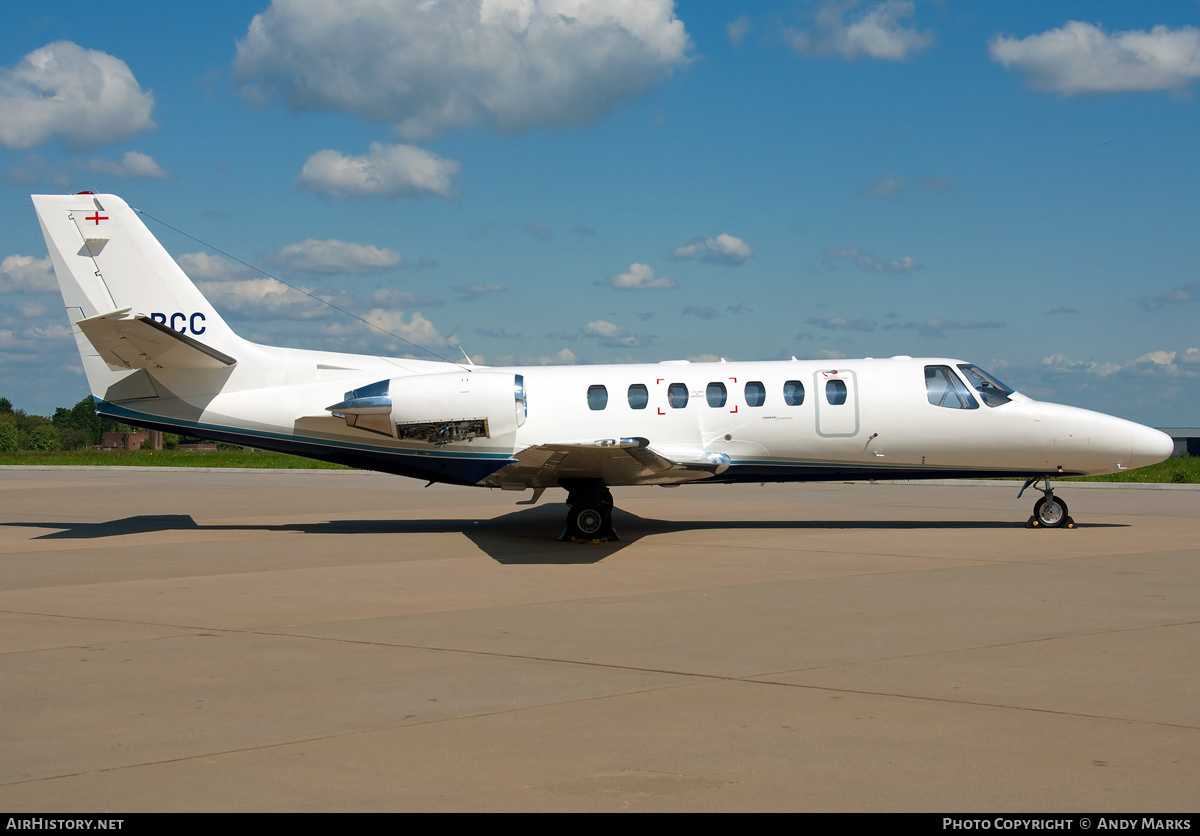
x,y
1049,511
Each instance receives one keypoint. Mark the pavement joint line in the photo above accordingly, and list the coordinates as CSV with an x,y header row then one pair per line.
x,y
341,735
1002,706
596,698
953,563
950,651
693,677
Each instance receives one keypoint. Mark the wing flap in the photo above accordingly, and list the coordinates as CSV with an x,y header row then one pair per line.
x,y
624,461
138,342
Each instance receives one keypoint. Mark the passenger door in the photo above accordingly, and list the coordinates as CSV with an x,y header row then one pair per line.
x,y
836,399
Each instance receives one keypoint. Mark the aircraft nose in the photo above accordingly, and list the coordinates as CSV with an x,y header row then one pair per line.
x,y
1150,446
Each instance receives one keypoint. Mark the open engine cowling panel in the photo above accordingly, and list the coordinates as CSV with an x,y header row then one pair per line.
x,y
438,408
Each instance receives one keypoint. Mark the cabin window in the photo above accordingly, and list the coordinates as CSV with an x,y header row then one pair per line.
x,y
677,395
597,397
638,396
993,392
716,394
756,393
835,392
943,388
793,393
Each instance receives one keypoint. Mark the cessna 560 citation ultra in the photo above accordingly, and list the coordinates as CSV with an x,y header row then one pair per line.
x,y
158,355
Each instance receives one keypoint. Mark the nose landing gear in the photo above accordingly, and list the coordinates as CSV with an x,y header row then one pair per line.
x,y
1049,511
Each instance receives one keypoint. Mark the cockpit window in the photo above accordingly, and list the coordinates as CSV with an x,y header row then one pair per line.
x,y
943,388
993,392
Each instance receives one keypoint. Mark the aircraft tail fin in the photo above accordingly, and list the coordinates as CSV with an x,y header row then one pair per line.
x,y
131,306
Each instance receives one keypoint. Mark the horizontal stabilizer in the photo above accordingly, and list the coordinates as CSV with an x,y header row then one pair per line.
x,y
138,342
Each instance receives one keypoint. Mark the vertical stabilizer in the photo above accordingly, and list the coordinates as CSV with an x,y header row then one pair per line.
x,y
109,265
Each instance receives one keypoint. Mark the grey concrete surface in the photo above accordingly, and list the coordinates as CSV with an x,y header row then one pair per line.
x,y
175,640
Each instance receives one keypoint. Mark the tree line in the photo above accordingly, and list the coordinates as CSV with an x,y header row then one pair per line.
x,y
74,428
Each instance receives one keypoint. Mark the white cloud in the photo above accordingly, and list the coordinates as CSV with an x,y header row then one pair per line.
x,y
886,186
639,277
427,67
261,298
724,249
737,30
88,97
1082,58
469,293
604,330
840,323
385,170
403,299
1180,295
938,184
26,274
934,326
868,262
134,165
503,333
537,230
1152,363
875,32
565,357
334,256
237,288
204,267
417,329
614,336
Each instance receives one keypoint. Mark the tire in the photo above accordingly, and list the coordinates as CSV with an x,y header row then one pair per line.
x,y
1050,512
589,522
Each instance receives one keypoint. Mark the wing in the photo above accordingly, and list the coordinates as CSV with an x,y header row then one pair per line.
x,y
139,342
617,461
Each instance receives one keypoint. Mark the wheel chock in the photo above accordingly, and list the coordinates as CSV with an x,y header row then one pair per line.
x,y
1032,522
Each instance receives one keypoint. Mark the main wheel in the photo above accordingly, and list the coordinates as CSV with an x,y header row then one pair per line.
x,y
589,521
1050,511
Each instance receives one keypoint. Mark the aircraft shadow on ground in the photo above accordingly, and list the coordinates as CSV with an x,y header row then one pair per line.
x,y
526,536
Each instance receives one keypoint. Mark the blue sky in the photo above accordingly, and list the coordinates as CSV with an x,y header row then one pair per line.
x,y
577,182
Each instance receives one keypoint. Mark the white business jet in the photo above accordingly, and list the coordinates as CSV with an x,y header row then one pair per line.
x,y
158,355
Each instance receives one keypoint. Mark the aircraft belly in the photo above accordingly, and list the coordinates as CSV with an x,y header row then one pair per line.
x,y
320,438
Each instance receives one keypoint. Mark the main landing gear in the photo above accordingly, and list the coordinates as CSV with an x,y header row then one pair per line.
x,y
1049,511
589,516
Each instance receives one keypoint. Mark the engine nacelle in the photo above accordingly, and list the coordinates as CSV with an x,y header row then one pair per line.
x,y
438,408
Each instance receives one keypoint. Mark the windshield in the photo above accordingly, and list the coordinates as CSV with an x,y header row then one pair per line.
x,y
993,392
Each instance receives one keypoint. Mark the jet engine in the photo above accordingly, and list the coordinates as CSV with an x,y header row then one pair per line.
x,y
438,408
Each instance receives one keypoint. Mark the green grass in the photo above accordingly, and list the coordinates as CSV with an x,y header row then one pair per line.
x,y
1176,470
166,458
